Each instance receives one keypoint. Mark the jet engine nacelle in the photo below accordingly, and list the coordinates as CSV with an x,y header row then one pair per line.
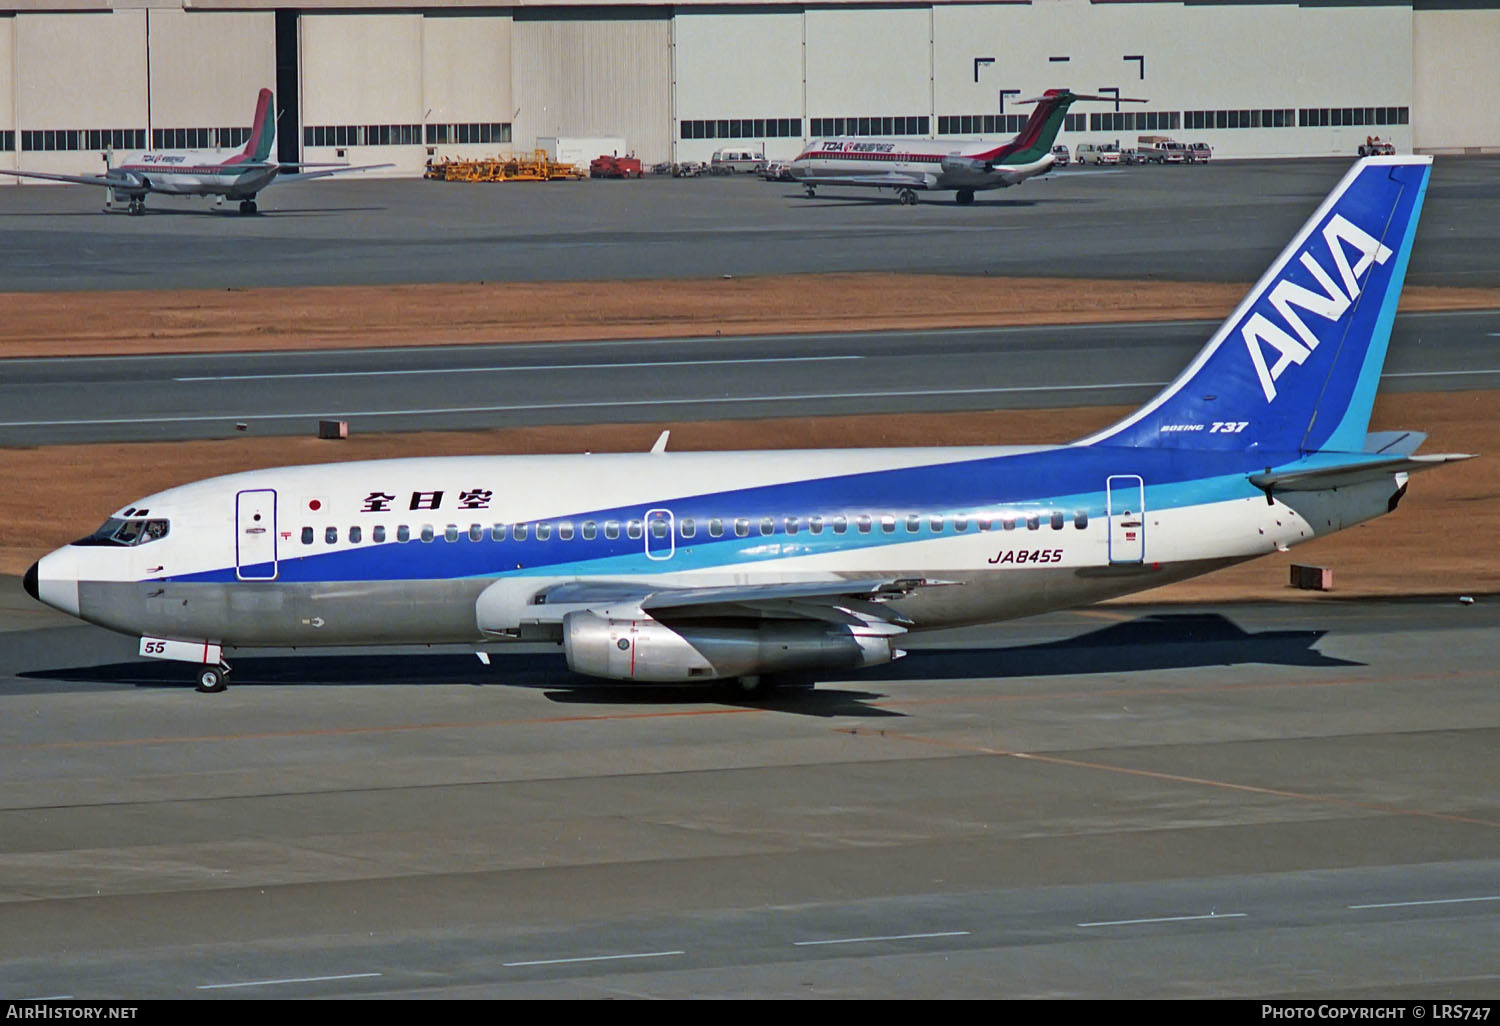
x,y
964,167
645,650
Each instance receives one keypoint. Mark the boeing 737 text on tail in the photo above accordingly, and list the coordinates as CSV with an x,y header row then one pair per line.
x,y
686,567
910,165
232,175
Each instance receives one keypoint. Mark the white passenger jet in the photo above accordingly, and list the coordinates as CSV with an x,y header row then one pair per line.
x,y
908,165
754,566
230,174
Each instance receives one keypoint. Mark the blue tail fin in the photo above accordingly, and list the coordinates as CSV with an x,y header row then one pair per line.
x,y
1295,367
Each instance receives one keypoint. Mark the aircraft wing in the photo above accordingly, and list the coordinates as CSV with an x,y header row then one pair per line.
x,y
322,172
889,180
837,601
104,180
1338,475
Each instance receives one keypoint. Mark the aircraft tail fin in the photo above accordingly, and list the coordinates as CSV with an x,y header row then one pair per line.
x,y
263,131
1036,137
1296,365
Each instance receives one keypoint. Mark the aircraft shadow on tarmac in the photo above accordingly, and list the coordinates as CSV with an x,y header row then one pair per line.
x,y
888,201
1153,642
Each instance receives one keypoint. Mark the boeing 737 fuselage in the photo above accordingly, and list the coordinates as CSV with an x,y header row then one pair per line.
x,y
755,566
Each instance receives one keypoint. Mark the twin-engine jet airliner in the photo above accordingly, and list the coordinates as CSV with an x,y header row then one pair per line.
x,y
666,566
909,165
230,174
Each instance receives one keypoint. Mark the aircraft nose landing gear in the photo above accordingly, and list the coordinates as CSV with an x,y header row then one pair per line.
x,y
213,679
137,206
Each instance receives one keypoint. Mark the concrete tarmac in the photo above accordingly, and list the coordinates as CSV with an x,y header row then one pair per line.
x,y
1129,801
1213,222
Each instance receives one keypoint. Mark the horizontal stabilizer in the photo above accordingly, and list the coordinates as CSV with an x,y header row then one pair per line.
x,y
1394,443
1339,475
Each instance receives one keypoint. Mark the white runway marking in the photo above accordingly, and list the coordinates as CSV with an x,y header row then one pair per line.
x,y
871,940
1434,901
593,958
297,979
521,367
1167,919
797,397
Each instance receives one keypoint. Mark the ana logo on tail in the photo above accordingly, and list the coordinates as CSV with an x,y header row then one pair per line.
x,y
1331,304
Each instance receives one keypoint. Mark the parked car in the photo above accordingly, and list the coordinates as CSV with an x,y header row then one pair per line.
x,y
1107,153
1083,153
1199,153
1132,156
777,171
1060,156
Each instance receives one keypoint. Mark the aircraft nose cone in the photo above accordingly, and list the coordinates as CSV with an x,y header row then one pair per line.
x,y
29,582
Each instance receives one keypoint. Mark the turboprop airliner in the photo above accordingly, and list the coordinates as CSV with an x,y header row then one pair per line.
x,y
760,566
230,174
909,165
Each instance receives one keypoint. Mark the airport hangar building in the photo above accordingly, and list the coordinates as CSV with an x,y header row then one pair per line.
x,y
406,81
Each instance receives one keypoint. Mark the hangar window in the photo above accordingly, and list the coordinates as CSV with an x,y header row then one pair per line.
x,y
8,140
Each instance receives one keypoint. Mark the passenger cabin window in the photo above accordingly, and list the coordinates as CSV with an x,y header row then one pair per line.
x,y
863,523
913,523
611,529
378,533
497,532
427,533
543,531
790,525
688,527
565,530
633,529
307,536
716,528
1057,520
403,533
355,534
741,527
840,525
476,532
767,525
815,525
590,530
331,535
1033,522
1081,519
518,532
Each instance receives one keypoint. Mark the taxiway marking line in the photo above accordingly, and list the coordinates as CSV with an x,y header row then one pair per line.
x,y
1177,778
519,368
593,958
1167,919
872,940
299,979
1433,901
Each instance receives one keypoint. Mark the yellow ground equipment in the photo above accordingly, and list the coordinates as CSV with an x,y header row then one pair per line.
x,y
532,167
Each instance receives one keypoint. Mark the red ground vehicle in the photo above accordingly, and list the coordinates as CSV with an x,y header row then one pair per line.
x,y
607,166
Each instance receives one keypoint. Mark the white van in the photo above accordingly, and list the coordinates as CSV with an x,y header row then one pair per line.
x,y
733,158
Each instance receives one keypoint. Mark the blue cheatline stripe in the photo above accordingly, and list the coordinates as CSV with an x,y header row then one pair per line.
x,y
452,560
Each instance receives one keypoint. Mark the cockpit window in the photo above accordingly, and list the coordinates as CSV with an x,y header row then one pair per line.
x,y
127,531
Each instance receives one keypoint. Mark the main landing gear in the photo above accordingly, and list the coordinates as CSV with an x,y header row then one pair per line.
x,y
213,679
137,206
812,190
964,197
908,197
247,206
